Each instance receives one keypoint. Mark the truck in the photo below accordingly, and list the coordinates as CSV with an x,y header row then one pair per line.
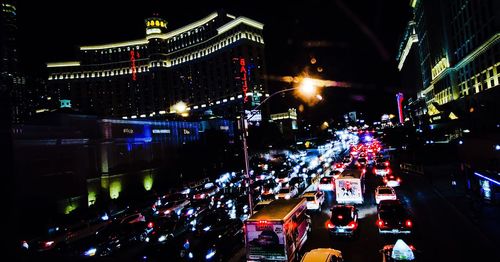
x,y
278,231
350,186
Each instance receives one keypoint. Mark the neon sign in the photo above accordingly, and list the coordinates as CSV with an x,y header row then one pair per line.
x,y
244,79
132,64
399,99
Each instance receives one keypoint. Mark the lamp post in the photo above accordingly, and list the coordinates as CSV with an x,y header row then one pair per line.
x,y
307,88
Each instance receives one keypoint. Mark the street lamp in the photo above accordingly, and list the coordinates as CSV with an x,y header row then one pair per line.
x,y
307,89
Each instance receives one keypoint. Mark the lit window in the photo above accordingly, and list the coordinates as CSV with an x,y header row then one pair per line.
x,y
157,23
148,24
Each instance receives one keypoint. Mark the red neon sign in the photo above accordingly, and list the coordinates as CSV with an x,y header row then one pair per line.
x,y
399,99
244,79
132,64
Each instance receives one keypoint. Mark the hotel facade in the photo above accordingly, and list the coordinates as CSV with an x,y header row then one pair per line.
x,y
213,64
456,46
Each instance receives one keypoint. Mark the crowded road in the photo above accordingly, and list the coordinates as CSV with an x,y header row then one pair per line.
x,y
207,219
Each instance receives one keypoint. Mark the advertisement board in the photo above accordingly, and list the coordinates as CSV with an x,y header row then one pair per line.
x,y
265,241
349,190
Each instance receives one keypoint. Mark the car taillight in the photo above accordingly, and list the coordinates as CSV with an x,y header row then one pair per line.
x,y
388,170
380,223
385,180
386,163
330,225
399,180
352,225
408,223
151,225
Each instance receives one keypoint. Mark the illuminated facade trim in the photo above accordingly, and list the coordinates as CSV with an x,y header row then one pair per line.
x,y
485,46
115,45
240,20
64,64
188,27
412,39
440,67
164,63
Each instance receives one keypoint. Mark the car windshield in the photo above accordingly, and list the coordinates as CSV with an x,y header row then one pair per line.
x,y
285,190
341,214
391,211
385,191
380,166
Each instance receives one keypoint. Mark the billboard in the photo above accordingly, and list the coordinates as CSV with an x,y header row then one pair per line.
x,y
265,240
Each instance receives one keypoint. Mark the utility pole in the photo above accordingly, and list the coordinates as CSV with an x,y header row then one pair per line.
x,y
247,160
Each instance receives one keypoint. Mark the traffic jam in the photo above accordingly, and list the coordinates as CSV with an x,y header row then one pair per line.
x,y
270,218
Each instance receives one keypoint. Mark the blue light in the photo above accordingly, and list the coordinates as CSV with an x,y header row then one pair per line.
x,y
211,253
487,178
90,252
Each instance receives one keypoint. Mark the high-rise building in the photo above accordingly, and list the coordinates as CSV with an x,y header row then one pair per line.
x,y
458,56
212,64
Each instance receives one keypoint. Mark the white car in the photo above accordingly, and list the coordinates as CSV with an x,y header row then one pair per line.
x,y
384,192
314,199
323,255
327,183
287,192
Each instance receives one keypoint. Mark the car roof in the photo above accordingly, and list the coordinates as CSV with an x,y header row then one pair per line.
x,y
321,254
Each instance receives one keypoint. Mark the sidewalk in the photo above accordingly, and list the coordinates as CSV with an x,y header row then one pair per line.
x,y
485,216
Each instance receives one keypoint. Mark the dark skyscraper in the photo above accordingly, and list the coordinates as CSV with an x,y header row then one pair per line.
x,y
8,71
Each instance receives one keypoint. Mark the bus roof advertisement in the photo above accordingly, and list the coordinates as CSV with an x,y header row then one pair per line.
x,y
349,190
265,240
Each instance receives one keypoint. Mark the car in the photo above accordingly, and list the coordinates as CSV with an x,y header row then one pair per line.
x,y
327,183
314,199
298,182
383,193
164,229
393,218
338,166
361,162
323,255
400,251
392,180
287,192
172,207
347,160
208,190
114,237
131,218
381,170
343,220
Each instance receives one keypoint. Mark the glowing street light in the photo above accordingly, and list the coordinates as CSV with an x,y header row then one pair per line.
x,y
308,87
180,107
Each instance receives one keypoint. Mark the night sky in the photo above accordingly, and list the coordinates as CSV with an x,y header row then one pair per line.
x,y
354,41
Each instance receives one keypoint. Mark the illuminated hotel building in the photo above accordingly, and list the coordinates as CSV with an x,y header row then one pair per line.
x,y
199,64
457,42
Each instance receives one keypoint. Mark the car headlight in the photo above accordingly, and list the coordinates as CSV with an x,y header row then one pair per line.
x,y
211,253
162,238
90,252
